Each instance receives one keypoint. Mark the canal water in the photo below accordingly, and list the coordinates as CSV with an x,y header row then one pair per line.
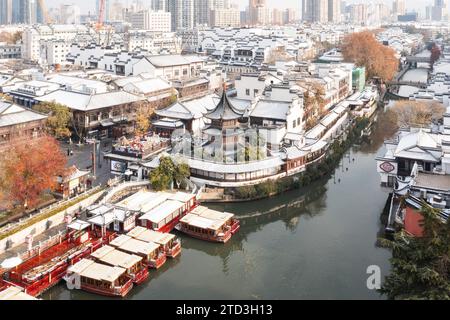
x,y
305,244
419,74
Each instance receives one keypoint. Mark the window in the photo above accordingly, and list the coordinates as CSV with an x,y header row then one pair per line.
x,y
247,92
293,124
255,92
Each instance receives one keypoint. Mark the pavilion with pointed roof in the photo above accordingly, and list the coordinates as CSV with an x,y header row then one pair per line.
x,y
225,130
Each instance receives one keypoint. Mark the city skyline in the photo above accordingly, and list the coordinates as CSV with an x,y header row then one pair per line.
x,y
89,5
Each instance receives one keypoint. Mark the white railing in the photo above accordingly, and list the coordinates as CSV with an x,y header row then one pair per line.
x,y
46,210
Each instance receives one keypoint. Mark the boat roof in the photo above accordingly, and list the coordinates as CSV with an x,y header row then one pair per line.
x,y
144,200
217,215
151,236
101,252
162,211
136,231
102,272
78,225
120,259
182,196
15,293
129,244
201,222
80,266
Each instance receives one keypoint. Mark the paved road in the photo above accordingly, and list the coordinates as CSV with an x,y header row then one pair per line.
x,y
81,157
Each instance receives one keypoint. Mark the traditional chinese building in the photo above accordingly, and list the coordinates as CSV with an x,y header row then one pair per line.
x,y
17,122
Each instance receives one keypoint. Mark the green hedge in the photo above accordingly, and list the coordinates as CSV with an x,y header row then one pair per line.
x,y
312,173
44,216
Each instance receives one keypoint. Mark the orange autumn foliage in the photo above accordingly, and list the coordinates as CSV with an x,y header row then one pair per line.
x,y
29,168
363,49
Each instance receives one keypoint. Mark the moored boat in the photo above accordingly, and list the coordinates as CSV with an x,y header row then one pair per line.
x,y
152,253
210,225
45,268
98,278
169,242
116,258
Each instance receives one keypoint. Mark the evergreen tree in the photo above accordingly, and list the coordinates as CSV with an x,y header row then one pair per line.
x,y
420,265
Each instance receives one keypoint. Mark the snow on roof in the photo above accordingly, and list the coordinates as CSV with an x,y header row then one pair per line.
x,y
177,111
147,86
13,114
235,168
414,146
85,102
270,110
172,60
329,118
315,132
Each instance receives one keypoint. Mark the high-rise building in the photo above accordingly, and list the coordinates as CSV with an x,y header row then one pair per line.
x,y
334,11
159,5
289,16
225,17
257,12
315,11
151,20
202,9
277,17
70,14
398,8
6,11
24,11
440,10
358,13
182,14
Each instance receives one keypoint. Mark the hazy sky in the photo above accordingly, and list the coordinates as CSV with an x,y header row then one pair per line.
x,y
87,5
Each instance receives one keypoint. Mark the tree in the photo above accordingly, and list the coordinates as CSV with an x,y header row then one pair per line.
x,y
314,102
182,172
30,168
435,53
10,38
168,172
415,113
142,121
420,265
278,54
363,49
58,120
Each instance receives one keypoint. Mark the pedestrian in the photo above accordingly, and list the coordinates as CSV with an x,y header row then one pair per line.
x,y
68,151
71,152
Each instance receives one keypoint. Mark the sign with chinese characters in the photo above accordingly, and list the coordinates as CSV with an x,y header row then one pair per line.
x,y
387,167
117,166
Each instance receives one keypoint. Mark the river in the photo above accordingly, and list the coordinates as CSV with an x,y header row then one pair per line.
x,y
419,74
314,243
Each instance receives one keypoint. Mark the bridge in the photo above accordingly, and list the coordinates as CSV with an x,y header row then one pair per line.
x,y
422,85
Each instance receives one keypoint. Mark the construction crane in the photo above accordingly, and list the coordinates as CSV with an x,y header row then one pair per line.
x,y
101,14
44,11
